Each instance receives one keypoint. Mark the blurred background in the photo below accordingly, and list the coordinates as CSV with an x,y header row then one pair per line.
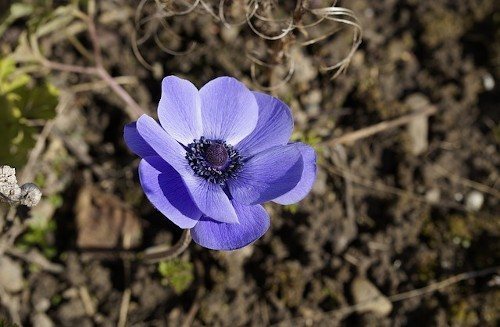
x,y
402,225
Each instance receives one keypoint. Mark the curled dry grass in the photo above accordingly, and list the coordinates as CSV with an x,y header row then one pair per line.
x,y
270,22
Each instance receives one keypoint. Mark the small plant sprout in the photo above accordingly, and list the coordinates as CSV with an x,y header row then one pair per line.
x,y
217,155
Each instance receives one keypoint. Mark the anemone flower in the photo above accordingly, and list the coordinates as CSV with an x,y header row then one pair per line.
x,y
216,156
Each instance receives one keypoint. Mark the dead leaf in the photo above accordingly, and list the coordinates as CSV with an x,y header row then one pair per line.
x,y
104,221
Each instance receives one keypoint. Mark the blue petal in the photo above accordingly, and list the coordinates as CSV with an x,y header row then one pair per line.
x,y
209,197
229,110
166,190
135,142
274,127
307,179
267,175
254,222
179,109
161,142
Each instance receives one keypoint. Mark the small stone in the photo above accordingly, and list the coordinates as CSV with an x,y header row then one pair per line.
x,y
474,201
41,320
433,195
312,101
370,298
71,310
418,128
306,71
488,82
11,275
229,34
42,305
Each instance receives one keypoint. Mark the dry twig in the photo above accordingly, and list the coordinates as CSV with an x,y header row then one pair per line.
x,y
36,258
378,128
431,288
133,109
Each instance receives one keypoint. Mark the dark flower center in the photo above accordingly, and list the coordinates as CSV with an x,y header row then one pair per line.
x,y
216,154
213,160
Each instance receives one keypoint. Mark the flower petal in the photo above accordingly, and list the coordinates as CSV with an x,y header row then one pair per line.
x,y
179,109
211,199
267,175
135,142
307,179
254,222
161,142
166,190
274,127
229,110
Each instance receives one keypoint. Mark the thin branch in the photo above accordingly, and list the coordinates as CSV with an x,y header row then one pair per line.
x,y
443,284
431,288
378,128
36,258
124,307
28,171
154,255
68,68
466,182
149,256
94,37
347,310
380,187
134,110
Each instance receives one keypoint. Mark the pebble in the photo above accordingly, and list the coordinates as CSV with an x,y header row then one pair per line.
x,y
42,305
488,82
418,128
433,195
11,275
370,298
41,320
474,201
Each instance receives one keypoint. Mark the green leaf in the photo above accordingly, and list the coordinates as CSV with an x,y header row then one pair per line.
x,y
22,99
58,20
17,10
7,67
9,81
177,273
39,102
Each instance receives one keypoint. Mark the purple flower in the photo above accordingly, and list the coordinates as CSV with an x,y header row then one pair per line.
x,y
216,156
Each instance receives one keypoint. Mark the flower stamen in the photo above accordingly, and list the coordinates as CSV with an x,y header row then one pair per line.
x,y
214,160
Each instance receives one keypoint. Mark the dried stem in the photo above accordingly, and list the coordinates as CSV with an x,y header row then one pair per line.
x,y
68,68
377,128
133,109
149,256
421,291
157,254
347,310
34,257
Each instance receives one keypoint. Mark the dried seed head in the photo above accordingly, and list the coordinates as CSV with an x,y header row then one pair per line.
x,y
30,195
9,190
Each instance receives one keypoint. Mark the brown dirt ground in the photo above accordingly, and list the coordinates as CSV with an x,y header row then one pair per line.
x,y
378,210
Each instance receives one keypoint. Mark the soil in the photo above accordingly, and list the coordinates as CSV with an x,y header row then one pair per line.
x,y
400,210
